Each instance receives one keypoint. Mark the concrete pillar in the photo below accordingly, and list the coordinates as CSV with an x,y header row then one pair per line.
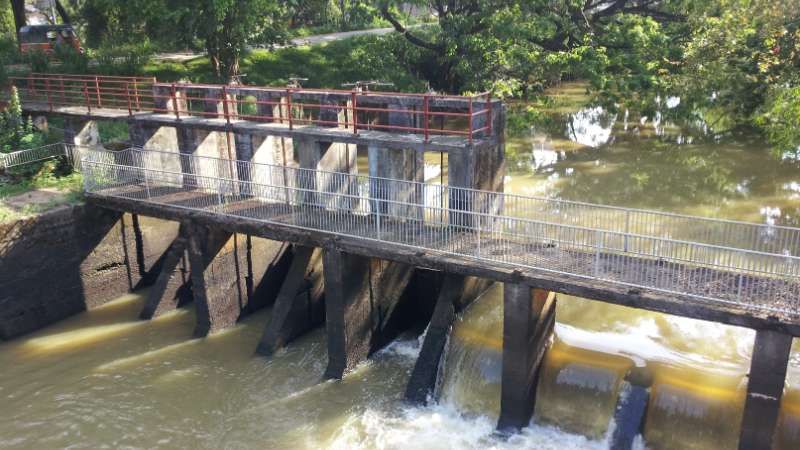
x,y
528,320
764,389
269,155
394,164
299,306
455,294
478,167
631,411
81,132
221,263
361,295
328,157
172,288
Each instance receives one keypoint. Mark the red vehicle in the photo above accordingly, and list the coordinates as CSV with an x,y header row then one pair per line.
x,y
47,38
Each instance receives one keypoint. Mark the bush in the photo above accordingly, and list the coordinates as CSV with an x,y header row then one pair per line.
x,y
71,60
124,59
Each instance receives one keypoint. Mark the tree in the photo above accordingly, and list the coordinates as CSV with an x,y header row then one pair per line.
x,y
223,28
477,42
226,27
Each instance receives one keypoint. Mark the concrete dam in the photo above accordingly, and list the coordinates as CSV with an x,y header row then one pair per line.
x,y
236,198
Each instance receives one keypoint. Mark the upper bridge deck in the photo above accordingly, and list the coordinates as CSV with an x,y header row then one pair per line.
x,y
394,120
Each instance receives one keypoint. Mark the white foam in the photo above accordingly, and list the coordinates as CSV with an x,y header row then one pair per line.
x,y
443,427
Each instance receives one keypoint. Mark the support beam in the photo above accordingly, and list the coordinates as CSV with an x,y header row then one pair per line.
x,y
455,294
528,320
361,295
764,389
172,288
299,306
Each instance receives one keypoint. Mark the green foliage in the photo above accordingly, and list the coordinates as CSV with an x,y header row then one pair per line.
x,y
125,59
17,133
781,120
330,65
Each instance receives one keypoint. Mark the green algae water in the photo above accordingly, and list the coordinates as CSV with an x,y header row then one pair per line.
x,y
104,379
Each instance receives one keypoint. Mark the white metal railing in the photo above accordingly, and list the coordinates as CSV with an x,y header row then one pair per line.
x,y
32,155
631,248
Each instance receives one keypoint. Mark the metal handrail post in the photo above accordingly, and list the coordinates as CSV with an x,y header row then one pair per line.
x,y
425,116
354,113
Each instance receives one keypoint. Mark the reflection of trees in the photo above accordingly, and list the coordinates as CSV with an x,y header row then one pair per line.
x,y
653,175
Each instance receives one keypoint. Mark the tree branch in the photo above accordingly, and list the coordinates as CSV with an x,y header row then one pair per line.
x,y
410,37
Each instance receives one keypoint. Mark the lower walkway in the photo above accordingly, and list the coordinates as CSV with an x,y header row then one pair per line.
x,y
463,231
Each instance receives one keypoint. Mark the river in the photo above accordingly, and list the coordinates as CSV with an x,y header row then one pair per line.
x,y
104,379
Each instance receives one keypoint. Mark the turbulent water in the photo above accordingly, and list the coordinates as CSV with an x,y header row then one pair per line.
x,y
106,379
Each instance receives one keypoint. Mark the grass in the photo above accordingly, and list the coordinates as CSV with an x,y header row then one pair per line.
x,y
70,186
325,66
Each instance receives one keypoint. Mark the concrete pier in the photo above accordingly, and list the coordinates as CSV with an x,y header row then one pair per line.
x,y
764,389
172,287
528,320
360,296
221,264
299,306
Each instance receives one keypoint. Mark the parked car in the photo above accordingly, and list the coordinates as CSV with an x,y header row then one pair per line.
x,y
47,37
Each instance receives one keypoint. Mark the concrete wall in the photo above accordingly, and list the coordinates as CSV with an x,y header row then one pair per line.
x,y
71,259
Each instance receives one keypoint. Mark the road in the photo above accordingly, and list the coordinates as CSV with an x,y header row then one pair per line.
x,y
300,41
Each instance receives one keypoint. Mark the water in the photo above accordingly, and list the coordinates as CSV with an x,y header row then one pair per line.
x,y
106,379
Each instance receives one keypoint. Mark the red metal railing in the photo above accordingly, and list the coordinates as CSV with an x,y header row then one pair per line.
x,y
464,116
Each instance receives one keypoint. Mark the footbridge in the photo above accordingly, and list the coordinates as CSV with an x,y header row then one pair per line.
x,y
346,248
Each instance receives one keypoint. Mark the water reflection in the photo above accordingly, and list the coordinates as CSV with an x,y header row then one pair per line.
x,y
623,159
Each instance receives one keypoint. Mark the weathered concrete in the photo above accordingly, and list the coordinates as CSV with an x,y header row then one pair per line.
x,y
407,165
328,157
361,294
172,287
300,305
764,389
528,320
227,274
482,168
81,132
267,152
87,255
455,294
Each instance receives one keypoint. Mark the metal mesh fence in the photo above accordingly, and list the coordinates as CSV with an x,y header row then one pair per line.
x,y
756,269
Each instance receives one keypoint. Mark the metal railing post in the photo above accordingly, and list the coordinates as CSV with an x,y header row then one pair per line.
x,y
63,92
47,89
378,218
128,97
289,107
490,118
627,229
599,245
353,100
86,95
97,90
146,183
225,105
136,94
425,115
174,95
471,119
